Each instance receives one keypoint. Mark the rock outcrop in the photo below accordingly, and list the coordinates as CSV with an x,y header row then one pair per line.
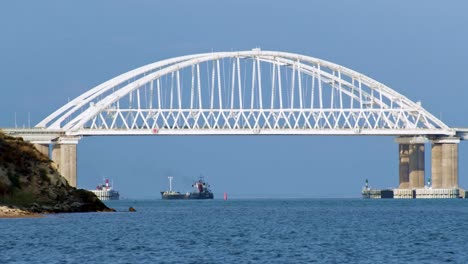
x,y
29,181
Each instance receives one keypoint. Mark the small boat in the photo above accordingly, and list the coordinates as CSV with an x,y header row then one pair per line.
x,y
105,192
202,191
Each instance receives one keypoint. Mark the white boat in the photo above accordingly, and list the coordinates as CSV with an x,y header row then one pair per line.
x,y
105,192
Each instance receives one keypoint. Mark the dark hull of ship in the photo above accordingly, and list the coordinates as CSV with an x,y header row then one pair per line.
x,y
190,196
177,196
199,196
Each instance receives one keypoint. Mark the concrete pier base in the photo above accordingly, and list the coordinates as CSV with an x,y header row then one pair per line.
x,y
426,193
421,193
437,193
64,154
403,194
463,193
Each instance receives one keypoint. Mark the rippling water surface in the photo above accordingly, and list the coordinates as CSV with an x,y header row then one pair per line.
x,y
246,231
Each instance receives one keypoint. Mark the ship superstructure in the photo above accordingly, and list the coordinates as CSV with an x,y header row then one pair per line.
x,y
202,190
106,192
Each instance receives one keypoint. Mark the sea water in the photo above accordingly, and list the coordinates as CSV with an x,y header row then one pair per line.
x,y
246,231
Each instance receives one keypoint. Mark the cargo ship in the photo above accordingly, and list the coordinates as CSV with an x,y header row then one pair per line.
x,y
105,192
201,191
172,195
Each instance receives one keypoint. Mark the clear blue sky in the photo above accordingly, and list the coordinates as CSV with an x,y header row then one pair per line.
x,y
52,51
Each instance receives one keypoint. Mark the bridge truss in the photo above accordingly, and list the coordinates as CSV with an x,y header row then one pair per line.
x,y
243,93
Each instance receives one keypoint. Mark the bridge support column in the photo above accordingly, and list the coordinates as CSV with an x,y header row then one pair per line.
x,y
43,148
404,166
416,166
445,163
64,155
411,162
436,165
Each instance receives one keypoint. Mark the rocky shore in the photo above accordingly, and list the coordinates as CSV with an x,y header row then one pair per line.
x,y
8,212
30,183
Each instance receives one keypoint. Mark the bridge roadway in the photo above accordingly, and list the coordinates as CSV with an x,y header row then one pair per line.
x,y
48,136
461,133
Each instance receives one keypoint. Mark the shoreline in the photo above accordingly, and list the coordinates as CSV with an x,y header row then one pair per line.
x,y
8,212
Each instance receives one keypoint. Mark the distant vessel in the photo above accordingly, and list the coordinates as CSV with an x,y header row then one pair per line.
x,y
202,191
172,195
106,192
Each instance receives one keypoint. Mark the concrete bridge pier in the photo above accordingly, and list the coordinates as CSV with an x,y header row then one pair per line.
x,y
411,162
445,163
444,166
436,165
403,166
416,170
64,154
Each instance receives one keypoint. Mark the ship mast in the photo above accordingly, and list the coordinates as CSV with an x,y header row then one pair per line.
x,y
170,183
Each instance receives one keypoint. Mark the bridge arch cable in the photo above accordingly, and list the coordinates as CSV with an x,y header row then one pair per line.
x,y
246,92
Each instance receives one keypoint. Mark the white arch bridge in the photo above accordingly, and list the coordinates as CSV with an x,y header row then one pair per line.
x,y
250,93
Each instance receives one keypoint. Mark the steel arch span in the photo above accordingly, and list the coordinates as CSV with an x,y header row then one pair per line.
x,y
243,93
